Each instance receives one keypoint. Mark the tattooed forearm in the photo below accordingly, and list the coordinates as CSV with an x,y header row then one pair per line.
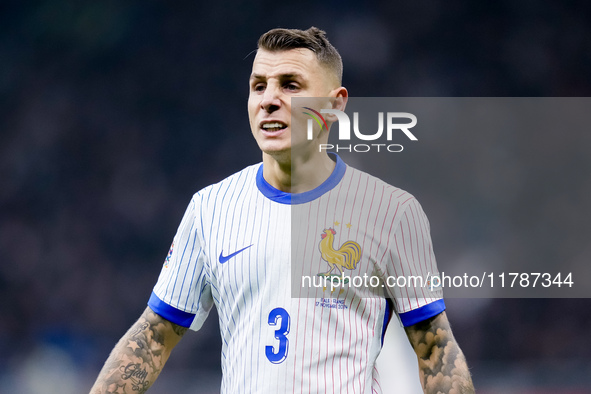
x,y
179,330
138,358
442,365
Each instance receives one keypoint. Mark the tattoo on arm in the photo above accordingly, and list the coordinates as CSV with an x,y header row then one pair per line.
x,y
442,365
138,358
179,330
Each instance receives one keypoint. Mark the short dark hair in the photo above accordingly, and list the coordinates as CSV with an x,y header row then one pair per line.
x,y
313,39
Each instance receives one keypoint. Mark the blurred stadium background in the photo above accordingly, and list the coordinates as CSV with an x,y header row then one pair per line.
x,y
113,113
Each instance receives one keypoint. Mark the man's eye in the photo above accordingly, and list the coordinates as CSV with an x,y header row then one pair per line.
x,y
258,87
291,86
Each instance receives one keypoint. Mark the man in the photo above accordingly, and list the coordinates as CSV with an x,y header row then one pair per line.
x,y
233,249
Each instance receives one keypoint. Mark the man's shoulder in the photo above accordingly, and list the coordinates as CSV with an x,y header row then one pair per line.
x,y
236,181
369,183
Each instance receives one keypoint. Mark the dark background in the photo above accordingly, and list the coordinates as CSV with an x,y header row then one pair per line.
x,y
112,114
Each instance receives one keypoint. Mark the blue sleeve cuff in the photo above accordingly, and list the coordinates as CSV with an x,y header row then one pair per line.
x,y
423,313
170,313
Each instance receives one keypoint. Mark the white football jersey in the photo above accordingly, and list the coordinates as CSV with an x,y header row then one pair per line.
x,y
246,247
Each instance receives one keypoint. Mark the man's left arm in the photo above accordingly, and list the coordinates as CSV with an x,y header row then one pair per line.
x,y
442,365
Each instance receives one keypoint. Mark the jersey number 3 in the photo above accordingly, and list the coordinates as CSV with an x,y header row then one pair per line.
x,y
280,334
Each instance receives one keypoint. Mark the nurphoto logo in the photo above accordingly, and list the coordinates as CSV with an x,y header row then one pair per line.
x,y
393,125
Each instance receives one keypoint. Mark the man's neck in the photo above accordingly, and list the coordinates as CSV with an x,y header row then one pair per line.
x,y
298,175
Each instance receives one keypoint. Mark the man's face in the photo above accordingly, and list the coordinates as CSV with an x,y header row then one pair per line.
x,y
276,78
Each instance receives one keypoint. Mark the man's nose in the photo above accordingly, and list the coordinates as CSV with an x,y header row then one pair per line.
x,y
271,100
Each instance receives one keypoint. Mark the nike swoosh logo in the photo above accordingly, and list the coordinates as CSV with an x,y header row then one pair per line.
x,y
223,258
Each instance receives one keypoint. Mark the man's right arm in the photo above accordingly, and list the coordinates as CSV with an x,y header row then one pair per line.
x,y
138,358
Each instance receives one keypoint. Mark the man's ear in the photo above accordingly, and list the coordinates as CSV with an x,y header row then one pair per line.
x,y
341,97
339,102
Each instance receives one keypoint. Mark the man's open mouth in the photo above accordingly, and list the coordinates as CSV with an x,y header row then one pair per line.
x,y
273,126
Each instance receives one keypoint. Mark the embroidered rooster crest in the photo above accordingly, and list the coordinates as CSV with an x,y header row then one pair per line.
x,y
347,256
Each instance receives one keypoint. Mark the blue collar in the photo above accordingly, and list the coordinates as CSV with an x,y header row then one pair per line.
x,y
301,198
